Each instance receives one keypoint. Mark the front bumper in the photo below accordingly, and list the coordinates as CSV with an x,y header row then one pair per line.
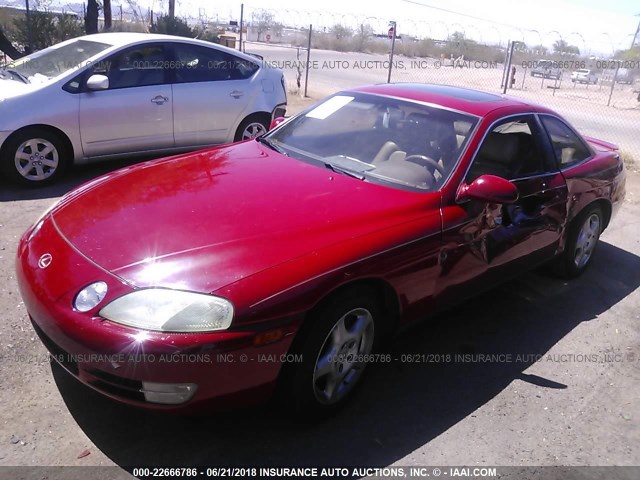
x,y
227,368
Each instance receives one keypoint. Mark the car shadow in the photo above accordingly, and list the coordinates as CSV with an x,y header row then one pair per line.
x,y
74,177
400,406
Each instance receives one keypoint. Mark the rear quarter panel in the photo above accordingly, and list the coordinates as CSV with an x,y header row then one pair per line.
x,y
602,177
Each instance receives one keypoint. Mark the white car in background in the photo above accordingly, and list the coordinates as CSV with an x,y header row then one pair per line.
x,y
584,75
121,94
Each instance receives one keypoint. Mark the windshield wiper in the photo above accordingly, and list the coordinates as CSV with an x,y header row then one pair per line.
x,y
17,74
344,171
271,145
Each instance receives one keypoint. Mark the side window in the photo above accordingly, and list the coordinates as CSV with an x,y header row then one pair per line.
x,y
510,150
136,67
201,64
568,147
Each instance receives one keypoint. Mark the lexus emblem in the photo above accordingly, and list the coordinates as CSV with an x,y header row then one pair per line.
x,y
45,260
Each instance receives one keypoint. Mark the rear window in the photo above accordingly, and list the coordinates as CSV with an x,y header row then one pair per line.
x,y
568,147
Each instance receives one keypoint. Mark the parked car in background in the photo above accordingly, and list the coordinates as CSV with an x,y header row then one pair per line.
x,y
294,256
121,94
584,75
546,69
626,76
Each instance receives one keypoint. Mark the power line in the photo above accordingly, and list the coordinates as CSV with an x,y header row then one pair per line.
x,y
465,15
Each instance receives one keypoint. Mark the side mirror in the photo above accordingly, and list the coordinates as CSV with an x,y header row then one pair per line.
x,y
98,82
489,188
275,122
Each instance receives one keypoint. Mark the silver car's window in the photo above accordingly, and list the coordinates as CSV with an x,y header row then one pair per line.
x,y
195,63
379,139
56,60
136,67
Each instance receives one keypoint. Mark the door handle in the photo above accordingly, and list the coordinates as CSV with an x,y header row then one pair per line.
x,y
159,100
236,94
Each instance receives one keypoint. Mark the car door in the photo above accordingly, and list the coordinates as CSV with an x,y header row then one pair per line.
x,y
212,90
134,114
486,243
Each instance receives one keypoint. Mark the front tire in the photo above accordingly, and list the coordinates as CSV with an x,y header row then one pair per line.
x,y
339,336
582,241
34,157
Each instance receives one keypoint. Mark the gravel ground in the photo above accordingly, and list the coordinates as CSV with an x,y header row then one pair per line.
x,y
566,395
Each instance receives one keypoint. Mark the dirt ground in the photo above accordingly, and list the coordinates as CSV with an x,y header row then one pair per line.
x,y
567,396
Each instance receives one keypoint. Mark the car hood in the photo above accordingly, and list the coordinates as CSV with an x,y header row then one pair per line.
x,y
13,88
204,220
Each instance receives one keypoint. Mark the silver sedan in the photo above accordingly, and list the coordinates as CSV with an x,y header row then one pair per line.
x,y
122,94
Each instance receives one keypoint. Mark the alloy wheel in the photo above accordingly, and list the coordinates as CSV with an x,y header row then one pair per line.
x,y
586,241
342,358
36,159
253,130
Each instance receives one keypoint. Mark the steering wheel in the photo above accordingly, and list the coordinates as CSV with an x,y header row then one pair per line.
x,y
427,162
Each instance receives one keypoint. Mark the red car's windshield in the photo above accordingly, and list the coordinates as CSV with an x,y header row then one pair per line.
x,y
379,139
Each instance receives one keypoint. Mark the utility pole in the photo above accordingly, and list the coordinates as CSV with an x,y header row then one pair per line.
x,y
633,42
172,9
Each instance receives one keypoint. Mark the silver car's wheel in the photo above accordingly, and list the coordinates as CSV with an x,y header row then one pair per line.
x,y
586,240
253,126
342,357
36,159
253,130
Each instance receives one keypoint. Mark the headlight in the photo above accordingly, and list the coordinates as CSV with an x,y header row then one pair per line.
x,y
90,296
170,311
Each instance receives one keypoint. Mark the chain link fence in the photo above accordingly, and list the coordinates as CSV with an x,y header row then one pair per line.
x,y
597,92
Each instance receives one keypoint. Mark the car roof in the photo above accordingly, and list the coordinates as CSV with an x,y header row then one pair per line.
x,y
119,39
123,38
475,102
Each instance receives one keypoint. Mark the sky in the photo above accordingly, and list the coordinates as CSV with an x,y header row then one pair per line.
x,y
596,25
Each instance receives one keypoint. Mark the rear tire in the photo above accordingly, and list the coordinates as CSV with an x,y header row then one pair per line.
x,y
338,337
253,126
582,240
33,157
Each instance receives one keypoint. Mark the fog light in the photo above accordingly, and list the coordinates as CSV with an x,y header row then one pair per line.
x,y
168,393
90,296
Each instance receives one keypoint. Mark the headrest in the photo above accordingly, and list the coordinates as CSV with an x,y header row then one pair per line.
x,y
499,147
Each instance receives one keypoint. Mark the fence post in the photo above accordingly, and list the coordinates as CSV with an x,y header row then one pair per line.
x,y
393,46
241,25
508,69
306,73
504,67
613,84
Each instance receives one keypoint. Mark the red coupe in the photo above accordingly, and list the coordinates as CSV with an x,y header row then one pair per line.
x,y
210,279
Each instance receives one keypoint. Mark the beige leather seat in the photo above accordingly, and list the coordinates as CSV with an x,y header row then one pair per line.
x,y
385,152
